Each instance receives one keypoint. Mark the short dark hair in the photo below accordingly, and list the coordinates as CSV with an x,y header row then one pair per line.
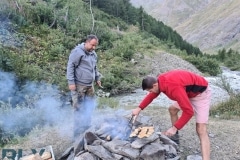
x,y
91,36
147,82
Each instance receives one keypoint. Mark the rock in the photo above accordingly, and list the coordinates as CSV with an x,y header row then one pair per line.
x,y
194,157
211,135
155,151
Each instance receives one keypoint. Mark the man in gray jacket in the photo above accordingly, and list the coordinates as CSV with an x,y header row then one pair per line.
x,y
81,74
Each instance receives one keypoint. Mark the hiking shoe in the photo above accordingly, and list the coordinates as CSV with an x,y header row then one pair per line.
x,y
175,138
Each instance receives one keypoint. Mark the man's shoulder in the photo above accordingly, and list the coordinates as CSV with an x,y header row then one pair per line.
x,y
77,50
94,54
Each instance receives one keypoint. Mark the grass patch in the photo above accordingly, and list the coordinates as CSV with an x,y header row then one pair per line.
x,y
229,109
104,102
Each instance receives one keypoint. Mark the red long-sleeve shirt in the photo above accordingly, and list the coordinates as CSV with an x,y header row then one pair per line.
x,y
178,85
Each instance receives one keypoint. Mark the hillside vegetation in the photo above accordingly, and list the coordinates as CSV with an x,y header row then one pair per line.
x,y
37,37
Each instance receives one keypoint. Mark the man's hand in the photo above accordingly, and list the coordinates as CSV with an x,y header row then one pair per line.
x,y
99,84
171,131
136,111
72,87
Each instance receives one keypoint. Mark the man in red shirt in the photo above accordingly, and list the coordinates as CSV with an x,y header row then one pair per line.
x,y
191,95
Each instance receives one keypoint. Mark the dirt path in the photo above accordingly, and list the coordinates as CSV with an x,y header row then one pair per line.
x,y
224,135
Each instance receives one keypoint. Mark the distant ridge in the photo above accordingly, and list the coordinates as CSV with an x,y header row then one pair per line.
x,y
208,24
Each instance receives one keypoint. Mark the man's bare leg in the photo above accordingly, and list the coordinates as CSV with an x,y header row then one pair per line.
x,y
201,129
173,114
174,117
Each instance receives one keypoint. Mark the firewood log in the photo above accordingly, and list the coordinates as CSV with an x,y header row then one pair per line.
x,y
46,155
32,157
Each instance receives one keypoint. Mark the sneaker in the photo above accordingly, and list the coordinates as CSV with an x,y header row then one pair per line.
x,y
175,138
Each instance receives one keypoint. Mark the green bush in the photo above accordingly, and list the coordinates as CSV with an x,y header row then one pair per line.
x,y
229,58
6,62
233,62
205,65
229,109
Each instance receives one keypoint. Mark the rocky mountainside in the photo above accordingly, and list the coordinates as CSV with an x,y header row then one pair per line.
x,y
161,62
208,24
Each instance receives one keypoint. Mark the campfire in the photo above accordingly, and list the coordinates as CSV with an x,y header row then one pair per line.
x,y
116,139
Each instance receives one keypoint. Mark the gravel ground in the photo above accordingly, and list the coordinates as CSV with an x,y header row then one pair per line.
x,y
224,135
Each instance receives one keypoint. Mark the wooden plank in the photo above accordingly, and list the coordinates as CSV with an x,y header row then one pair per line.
x,y
142,132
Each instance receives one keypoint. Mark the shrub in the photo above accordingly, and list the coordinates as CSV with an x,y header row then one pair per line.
x,y
6,62
205,65
229,109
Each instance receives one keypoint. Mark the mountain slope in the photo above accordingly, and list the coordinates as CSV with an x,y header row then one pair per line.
x,y
208,24
171,12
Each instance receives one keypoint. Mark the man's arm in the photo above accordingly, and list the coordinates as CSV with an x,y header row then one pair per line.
x,y
70,71
97,73
181,97
71,65
186,107
148,99
145,102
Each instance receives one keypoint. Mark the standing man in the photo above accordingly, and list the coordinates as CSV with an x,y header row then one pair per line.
x,y
192,96
81,74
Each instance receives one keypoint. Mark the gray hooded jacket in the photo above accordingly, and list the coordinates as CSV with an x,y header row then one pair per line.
x,y
82,66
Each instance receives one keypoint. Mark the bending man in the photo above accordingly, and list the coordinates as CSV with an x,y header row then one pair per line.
x,y
192,95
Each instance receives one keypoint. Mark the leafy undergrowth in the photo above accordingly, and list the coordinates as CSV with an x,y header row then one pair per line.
x,y
229,109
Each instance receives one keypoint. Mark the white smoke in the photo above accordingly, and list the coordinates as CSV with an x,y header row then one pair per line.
x,y
30,105
7,85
